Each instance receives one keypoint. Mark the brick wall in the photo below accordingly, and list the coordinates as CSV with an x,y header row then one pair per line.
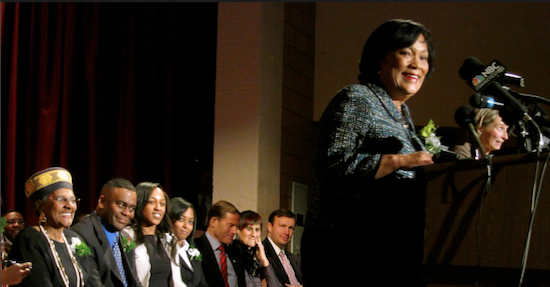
x,y
297,138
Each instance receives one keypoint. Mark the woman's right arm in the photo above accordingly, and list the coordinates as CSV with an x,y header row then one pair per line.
x,y
143,265
391,162
344,130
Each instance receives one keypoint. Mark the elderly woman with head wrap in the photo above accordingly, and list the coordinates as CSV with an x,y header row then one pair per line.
x,y
58,255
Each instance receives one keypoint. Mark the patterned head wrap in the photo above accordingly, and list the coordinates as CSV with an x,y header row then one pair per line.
x,y
47,181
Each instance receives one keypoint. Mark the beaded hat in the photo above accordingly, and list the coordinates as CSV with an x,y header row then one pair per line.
x,y
47,181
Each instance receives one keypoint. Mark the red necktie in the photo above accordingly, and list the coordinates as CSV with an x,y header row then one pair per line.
x,y
223,265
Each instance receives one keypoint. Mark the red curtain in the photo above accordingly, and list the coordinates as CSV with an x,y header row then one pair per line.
x,y
106,90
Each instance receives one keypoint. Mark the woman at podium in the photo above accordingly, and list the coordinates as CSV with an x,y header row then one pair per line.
x,y
367,191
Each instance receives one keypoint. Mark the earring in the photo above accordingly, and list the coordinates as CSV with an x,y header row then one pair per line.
x,y
42,217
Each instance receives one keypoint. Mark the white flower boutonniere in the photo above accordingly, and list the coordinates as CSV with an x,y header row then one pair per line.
x,y
431,141
79,247
194,253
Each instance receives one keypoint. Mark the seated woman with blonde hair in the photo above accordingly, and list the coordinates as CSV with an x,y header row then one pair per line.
x,y
492,131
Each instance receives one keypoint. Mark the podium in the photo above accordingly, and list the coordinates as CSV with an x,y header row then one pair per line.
x,y
455,241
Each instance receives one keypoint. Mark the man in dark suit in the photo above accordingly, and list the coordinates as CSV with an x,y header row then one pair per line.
x,y
287,266
215,243
102,231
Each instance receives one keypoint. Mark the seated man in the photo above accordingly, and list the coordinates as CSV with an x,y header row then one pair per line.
x,y
15,222
280,229
102,231
221,264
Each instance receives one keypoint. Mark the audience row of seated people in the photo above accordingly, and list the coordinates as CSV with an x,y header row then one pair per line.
x,y
138,236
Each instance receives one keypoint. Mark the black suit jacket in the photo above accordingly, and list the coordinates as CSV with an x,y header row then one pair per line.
x,y
278,266
92,232
31,245
192,277
210,265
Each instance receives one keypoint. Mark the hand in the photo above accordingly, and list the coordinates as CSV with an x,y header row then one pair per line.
x,y
392,162
418,158
14,274
260,253
288,285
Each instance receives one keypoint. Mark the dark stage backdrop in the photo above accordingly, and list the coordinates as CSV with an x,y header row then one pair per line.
x,y
107,90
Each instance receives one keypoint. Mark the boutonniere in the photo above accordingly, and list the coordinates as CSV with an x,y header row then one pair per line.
x,y
3,224
431,141
194,253
128,244
79,247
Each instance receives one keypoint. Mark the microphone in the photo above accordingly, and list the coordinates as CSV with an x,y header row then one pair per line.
x,y
479,101
487,81
472,68
510,79
465,118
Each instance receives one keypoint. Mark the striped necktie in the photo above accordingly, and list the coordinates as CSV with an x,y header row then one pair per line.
x,y
223,265
118,259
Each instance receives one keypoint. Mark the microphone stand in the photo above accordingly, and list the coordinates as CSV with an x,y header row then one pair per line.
x,y
527,118
528,96
534,203
486,190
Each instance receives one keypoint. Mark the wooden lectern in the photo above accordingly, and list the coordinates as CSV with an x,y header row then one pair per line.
x,y
453,234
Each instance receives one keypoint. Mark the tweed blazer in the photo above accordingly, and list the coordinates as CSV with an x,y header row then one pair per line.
x,y
359,125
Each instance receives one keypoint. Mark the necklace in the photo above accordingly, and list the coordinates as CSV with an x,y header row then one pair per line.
x,y
57,259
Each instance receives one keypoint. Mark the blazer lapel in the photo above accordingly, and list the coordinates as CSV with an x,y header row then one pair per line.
x,y
275,262
108,255
184,265
295,263
210,264
128,260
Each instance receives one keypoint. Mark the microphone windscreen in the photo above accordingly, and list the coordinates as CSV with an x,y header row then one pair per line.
x,y
464,115
475,100
470,68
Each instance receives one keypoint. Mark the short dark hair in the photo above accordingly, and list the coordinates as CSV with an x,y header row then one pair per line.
x,y
220,208
281,212
118,182
12,210
249,217
393,35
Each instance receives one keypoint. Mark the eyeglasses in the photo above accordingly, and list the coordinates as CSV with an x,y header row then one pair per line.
x,y
13,221
63,200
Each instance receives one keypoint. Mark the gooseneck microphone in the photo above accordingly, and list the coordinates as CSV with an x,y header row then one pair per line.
x,y
479,101
465,118
486,82
486,79
505,79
